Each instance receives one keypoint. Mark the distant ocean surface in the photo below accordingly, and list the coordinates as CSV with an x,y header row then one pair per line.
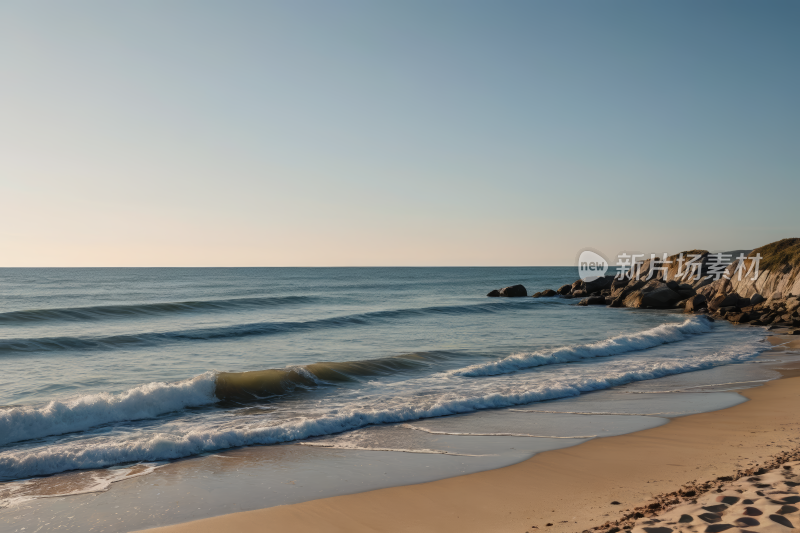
x,y
104,367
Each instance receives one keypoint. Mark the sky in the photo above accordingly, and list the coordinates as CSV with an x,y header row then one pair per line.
x,y
405,133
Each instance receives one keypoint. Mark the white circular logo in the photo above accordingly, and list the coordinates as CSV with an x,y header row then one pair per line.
x,y
591,265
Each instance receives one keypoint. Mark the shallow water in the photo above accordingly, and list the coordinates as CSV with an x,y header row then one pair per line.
x,y
114,367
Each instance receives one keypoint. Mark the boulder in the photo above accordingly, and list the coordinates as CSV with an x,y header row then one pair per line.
x,y
685,287
627,289
654,294
686,293
514,291
536,295
619,283
737,318
723,300
548,293
674,285
564,289
695,303
593,300
599,284
757,299
579,293
578,285
616,302
494,294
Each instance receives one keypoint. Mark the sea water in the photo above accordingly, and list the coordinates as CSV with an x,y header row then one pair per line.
x,y
108,368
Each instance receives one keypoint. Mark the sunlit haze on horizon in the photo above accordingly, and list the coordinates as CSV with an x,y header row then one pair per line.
x,y
411,133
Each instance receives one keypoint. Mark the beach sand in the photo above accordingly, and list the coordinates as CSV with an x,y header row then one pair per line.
x,y
563,490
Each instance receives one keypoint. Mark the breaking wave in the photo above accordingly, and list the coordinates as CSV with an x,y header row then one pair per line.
x,y
90,410
663,334
99,453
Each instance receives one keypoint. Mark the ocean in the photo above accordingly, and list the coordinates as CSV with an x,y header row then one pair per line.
x,y
139,367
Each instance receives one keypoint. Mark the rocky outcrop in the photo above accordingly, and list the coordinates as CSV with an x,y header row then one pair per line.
x,y
779,270
493,294
514,291
771,299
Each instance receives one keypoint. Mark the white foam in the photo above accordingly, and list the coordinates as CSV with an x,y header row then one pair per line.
x,y
663,334
432,432
455,398
33,489
345,446
90,410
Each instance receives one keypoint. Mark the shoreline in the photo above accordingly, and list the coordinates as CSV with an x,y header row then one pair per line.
x,y
570,488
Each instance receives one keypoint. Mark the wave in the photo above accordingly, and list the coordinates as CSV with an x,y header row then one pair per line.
x,y
55,344
264,384
87,411
663,334
104,312
99,453
156,399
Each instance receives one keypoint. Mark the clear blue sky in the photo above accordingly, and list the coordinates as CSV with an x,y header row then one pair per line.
x,y
394,133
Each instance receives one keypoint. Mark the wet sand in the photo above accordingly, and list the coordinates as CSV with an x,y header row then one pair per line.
x,y
570,489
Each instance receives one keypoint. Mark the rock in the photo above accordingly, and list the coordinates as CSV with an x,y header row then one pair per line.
x,y
599,284
674,285
579,293
795,332
723,300
593,300
616,302
578,285
686,293
619,283
681,304
685,287
757,299
627,289
514,291
737,318
546,294
695,303
564,289
756,322
494,294
536,295
654,294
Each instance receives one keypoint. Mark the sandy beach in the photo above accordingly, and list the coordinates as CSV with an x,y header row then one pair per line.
x,y
563,490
